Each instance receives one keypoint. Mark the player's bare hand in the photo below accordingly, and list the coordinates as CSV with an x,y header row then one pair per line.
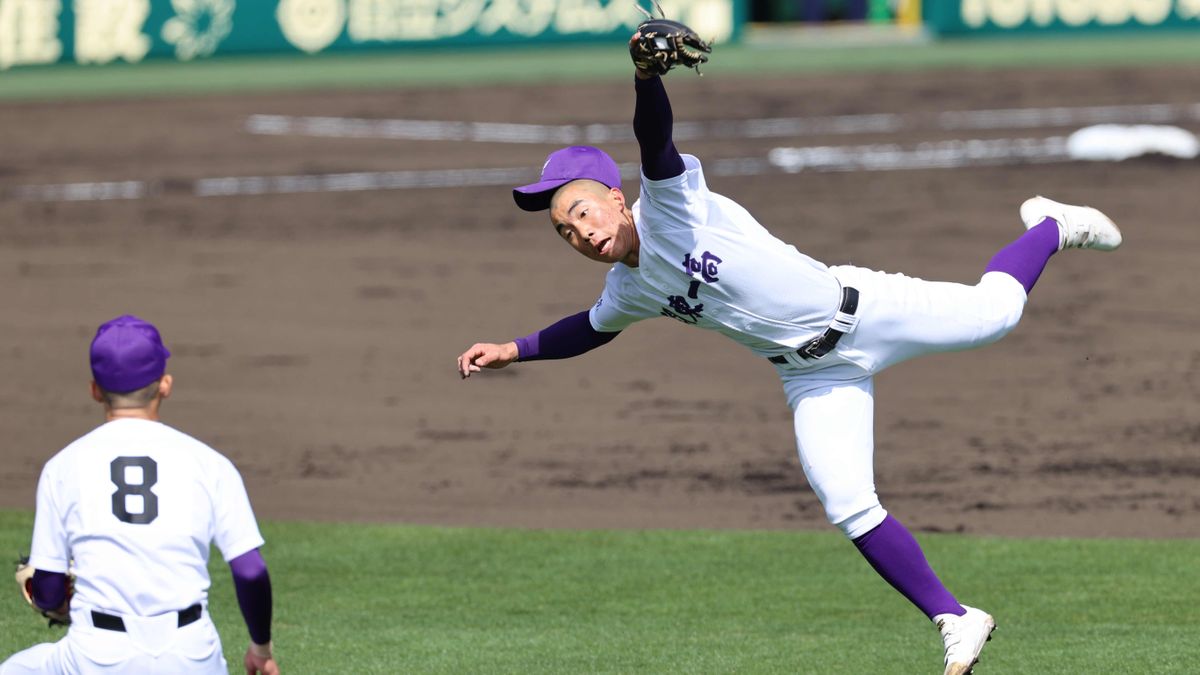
x,y
260,660
486,355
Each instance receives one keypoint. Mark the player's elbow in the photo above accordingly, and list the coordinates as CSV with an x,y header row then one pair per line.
x,y
249,567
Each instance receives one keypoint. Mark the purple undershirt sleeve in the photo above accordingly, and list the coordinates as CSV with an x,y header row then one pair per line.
x,y
652,122
568,337
253,585
49,589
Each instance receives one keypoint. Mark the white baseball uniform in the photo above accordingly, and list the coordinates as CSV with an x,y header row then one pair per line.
x,y
705,261
136,506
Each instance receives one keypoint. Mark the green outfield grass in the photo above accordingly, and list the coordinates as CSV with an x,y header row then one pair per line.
x,y
550,64
404,599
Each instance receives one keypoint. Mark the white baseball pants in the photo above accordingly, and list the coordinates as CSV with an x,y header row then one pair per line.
x,y
832,398
149,645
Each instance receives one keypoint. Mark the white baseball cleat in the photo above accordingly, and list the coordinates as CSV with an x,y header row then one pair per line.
x,y
1078,226
964,637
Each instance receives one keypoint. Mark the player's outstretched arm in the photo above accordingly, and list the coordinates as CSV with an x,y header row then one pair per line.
x,y
564,339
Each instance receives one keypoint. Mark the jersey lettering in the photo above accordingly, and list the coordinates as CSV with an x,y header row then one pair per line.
x,y
681,310
706,265
125,489
678,307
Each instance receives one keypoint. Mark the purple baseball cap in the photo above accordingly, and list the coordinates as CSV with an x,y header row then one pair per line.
x,y
564,166
127,354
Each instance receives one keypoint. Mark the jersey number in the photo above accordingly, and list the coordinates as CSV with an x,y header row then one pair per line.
x,y
149,500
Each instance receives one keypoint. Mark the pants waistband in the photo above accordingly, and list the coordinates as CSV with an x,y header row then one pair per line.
x,y
843,322
115,623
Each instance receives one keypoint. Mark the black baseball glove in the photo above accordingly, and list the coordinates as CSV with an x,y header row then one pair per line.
x,y
661,44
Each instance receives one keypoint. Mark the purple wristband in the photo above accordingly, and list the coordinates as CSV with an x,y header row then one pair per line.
x,y
253,586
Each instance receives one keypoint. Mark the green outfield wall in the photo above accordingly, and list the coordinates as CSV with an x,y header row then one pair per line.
x,y
96,32
994,17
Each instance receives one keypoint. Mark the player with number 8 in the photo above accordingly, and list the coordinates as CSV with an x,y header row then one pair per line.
x,y
136,505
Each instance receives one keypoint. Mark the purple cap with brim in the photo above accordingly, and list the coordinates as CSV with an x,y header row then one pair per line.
x,y
127,354
564,166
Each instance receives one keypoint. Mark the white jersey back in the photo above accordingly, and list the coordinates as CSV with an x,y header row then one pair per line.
x,y
705,261
137,505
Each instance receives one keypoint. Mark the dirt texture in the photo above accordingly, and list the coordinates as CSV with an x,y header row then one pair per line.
x,y
314,335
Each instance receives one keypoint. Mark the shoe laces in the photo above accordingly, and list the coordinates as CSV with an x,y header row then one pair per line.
x,y
951,635
1077,234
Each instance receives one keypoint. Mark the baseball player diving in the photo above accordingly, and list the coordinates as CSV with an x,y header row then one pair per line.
x,y
125,518
683,252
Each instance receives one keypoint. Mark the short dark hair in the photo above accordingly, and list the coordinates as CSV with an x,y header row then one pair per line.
x,y
138,398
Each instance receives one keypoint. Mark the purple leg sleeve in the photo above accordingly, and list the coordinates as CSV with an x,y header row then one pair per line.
x,y
1025,258
897,558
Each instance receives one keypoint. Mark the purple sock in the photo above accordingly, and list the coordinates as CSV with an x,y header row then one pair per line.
x,y
1025,258
897,558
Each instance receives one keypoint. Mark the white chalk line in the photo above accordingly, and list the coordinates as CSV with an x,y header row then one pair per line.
x,y
929,155
879,157
941,154
781,127
80,192
876,157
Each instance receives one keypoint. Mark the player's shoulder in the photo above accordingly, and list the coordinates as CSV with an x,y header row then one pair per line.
x,y
618,272
194,446
668,201
692,169
212,466
622,279
59,460
83,444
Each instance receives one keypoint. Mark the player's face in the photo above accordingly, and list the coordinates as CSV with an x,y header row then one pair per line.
x,y
593,220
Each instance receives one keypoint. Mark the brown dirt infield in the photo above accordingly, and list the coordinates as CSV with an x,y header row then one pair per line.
x,y
314,335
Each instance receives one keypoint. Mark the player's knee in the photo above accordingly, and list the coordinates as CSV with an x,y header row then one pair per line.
x,y
1002,303
856,523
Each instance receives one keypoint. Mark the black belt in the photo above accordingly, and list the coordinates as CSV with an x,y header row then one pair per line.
x,y
825,342
109,622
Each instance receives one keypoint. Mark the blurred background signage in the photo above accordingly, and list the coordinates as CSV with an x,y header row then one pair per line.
x,y
1037,15
106,31
103,31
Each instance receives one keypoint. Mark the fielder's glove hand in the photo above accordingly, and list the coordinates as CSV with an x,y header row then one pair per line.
x,y
24,578
661,44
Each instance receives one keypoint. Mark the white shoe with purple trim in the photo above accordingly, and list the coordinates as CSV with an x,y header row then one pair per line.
x,y
1078,226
